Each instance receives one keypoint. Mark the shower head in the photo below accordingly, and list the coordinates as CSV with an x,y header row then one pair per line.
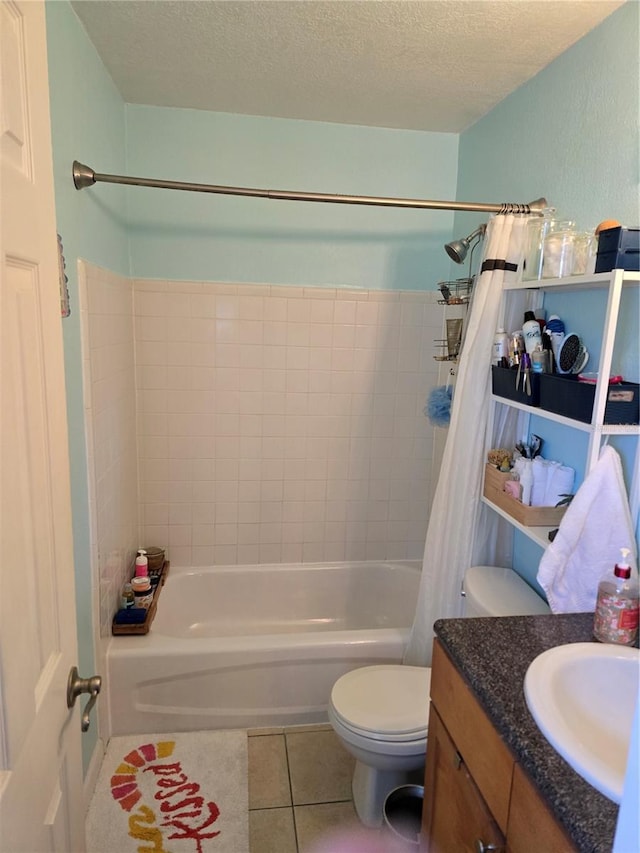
x,y
457,249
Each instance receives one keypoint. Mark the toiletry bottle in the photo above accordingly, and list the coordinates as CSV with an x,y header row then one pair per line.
x,y
516,348
616,616
540,360
142,591
501,349
531,332
142,564
127,599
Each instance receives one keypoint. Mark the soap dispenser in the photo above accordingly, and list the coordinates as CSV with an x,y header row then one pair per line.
x,y
142,564
616,616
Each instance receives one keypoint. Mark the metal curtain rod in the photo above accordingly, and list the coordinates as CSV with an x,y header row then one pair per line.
x,y
84,176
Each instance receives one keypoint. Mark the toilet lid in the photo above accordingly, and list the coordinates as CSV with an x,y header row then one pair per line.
x,y
384,700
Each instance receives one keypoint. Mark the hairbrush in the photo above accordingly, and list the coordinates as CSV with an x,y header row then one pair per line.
x,y
572,355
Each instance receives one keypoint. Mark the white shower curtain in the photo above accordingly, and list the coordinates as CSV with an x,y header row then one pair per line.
x,y
462,531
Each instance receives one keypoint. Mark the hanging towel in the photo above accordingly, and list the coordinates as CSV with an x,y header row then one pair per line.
x,y
595,526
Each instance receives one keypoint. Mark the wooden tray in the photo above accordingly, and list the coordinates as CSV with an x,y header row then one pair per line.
x,y
530,516
496,478
143,627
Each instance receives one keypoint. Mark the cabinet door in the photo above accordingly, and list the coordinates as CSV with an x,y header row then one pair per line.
x,y
485,754
456,817
531,824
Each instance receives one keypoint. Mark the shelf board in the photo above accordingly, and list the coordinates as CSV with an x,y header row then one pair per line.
x,y
575,282
543,413
604,429
539,535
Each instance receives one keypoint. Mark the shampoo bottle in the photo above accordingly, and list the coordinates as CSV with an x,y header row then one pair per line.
x,y
142,564
501,349
616,616
531,332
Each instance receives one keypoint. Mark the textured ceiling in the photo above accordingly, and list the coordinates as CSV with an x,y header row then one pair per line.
x,y
434,65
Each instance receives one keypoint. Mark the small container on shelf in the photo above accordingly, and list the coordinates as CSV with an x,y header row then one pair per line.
x,y
529,516
142,564
559,247
568,396
618,248
503,384
155,558
127,599
584,253
143,594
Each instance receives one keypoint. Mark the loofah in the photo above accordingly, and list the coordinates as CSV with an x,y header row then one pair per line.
x,y
438,408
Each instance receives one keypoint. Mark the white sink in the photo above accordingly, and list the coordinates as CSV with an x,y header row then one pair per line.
x,y
583,697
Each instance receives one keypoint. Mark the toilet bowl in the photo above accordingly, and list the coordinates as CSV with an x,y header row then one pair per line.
x,y
380,713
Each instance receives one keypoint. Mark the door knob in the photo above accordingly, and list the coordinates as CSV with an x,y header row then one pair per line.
x,y
481,847
76,686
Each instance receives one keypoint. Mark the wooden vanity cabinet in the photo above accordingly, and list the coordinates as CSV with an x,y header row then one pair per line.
x,y
476,797
455,815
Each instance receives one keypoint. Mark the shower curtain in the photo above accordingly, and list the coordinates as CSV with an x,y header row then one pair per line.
x,y
462,530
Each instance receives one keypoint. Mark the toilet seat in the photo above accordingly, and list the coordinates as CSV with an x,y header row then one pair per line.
x,y
385,703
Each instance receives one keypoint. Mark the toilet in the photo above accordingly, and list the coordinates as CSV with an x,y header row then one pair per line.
x,y
380,712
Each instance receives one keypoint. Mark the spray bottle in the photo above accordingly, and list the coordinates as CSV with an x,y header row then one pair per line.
x,y
616,616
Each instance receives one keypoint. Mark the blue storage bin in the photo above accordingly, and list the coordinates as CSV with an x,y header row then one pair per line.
x,y
618,248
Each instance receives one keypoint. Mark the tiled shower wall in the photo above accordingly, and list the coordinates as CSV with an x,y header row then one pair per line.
x,y
108,368
283,424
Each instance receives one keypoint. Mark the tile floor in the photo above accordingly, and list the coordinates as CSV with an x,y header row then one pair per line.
x,y
299,788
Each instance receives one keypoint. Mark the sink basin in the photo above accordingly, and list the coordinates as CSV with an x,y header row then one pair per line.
x,y
583,697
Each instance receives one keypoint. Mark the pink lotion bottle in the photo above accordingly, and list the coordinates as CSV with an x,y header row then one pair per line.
x,y
616,616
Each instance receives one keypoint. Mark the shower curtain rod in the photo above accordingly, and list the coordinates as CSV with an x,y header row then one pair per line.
x,y
84,176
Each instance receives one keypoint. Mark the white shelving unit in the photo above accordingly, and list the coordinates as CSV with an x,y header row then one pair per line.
x,y
613,282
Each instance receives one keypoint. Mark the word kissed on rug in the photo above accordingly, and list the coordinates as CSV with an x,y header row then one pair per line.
x,y
184,812
177,794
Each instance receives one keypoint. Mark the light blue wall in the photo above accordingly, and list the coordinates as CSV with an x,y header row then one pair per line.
x,y
87,124
569,134
226,238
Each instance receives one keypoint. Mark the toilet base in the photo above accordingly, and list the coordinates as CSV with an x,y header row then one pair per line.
x,y
370,788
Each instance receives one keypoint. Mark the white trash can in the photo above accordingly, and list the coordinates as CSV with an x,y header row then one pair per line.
x,y
403,813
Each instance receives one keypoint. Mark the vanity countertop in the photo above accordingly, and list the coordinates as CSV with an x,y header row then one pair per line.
x,y
493,655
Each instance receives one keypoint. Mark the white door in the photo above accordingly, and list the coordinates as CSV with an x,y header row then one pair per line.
x,y
40,762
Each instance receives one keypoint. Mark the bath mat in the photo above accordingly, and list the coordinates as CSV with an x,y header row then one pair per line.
x,y
172,793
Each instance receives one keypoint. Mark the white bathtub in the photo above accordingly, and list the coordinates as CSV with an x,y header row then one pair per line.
x,y
246,646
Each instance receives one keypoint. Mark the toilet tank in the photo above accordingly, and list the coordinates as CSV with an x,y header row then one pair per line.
x,y
493,591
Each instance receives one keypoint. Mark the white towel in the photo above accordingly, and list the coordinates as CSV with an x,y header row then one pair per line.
x,y
560,483
551,480
587,546
540,480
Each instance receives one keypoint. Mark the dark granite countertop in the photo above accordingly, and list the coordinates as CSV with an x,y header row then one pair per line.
x,y
493,655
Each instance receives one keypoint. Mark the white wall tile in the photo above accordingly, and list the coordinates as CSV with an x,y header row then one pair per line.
x,y
292,423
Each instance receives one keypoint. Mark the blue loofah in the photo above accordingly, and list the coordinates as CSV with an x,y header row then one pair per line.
x,y
438,408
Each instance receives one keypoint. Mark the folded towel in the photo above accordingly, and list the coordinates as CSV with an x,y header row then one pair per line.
x,y
551,480
587,546
542,469
559,483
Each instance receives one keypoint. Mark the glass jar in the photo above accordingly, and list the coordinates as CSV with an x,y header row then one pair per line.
x,y
584,253
538,227
558,252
